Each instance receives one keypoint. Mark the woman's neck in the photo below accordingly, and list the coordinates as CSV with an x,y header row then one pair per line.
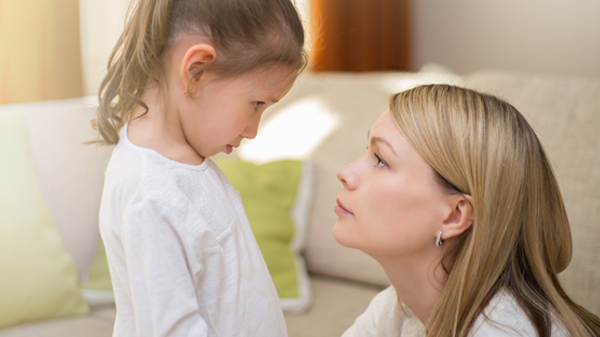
x,y
418,282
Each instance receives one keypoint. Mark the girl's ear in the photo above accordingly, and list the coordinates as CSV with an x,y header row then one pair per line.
x,y
194,60
460,218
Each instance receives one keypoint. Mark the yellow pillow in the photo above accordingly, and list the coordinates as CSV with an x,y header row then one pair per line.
x,y
38,278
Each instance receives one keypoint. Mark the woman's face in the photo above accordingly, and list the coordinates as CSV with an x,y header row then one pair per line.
x,y
390,204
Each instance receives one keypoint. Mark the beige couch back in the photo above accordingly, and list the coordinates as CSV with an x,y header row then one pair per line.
x,y
565,112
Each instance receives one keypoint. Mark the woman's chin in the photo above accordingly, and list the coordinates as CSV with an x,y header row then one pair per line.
x,y
340,233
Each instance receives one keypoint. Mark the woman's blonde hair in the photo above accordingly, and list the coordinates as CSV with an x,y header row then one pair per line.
x,y
520,238
246,35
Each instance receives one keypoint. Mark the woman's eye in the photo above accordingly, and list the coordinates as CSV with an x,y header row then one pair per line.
x,y
379,162
257,104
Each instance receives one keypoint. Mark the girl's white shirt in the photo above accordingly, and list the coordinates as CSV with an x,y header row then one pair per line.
x,y
182,256
385,316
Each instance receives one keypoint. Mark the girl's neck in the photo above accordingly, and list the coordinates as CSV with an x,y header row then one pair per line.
x,y
418,282
160,129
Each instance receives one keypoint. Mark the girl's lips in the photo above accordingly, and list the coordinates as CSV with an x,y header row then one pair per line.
x,y
229,148
340,210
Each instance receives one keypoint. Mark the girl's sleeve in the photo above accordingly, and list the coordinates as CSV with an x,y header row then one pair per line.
x,y
161,287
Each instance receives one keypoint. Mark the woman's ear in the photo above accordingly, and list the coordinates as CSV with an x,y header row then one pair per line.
x,y
194,60
460,218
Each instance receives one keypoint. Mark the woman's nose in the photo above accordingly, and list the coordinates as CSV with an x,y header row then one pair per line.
x,y
347,177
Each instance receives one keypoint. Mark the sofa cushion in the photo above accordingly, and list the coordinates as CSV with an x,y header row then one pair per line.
x,y
69,173
99,324
39,279
270,193
565,114
96,286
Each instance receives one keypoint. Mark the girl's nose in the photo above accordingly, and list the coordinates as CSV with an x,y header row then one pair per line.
x,y
250,132
252,127
347,177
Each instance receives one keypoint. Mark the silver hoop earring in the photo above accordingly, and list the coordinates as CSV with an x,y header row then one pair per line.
x,y
439,242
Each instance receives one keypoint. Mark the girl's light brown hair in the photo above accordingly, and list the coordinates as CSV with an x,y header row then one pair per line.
x,y
246,35
520,238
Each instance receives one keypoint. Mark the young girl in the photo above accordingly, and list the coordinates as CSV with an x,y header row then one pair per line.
x,y
189,79
456,199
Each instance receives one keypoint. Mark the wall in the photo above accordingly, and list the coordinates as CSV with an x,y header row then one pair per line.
x,y
544,36
40,55
101,24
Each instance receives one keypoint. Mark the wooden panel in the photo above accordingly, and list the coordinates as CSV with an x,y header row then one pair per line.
x,y
361,35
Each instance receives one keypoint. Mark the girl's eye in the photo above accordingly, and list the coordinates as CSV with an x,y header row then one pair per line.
x,y
257,104
379,162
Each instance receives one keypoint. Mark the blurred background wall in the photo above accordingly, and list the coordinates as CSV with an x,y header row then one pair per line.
x,y
102,23
40,51
545,36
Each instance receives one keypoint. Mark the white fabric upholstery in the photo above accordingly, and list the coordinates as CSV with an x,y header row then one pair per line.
x,y
70,181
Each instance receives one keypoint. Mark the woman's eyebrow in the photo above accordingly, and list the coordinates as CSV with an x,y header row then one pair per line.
x,y
382,140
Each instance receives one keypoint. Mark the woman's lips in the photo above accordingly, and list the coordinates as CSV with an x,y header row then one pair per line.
x,y
340,210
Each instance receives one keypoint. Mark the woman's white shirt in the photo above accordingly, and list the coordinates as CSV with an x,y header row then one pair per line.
x,y
386,317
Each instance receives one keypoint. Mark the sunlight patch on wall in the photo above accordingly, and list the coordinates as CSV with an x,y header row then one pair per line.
x,y
293,133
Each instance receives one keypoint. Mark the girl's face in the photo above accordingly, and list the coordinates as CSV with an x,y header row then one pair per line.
x,y
223,111
390,204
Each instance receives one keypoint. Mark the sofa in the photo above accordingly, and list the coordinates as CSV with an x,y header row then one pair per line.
x,y
564,111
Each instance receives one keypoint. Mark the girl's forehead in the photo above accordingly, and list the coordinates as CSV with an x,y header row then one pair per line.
x,y
273,78
269,85
275,73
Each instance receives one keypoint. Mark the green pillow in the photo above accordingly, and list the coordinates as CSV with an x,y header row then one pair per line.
x,y
97,287
98,274
39,279
270,193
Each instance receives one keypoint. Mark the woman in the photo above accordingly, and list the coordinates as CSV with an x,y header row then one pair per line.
x,y
457,201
